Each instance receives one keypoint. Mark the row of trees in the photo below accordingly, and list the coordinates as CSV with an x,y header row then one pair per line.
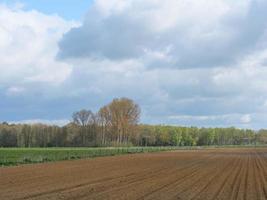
x,y
116,124
193,136
40,135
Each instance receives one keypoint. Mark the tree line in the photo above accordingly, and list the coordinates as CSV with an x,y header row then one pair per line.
x,y
117,124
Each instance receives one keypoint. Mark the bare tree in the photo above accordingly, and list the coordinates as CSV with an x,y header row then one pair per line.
x,y
87,121
104,119
83,117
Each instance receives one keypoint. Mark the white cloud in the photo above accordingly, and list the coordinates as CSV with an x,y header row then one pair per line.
x,y
60,122
15,90
245,119
226,120
199,118
176,34
28,41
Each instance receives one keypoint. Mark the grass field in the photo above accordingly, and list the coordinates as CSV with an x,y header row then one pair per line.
x,y
15,156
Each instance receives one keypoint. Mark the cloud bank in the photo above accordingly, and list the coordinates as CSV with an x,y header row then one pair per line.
x,y
201,63
180,34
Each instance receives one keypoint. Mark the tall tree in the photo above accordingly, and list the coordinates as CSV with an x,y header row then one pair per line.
x,y
123,114
104,120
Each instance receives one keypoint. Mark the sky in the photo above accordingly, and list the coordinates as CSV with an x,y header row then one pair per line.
x,y
185,62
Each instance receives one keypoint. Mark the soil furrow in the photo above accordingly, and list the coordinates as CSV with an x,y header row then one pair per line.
x,y
223,173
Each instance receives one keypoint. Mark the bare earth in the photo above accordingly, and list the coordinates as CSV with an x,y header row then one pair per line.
x,y
197,174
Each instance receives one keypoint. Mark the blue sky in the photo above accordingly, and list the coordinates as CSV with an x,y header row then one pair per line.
x,y
69,9
192,63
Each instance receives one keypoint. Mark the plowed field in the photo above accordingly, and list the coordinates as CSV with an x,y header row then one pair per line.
x,y
196,174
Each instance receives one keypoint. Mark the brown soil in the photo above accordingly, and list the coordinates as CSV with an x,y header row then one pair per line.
x,y
196,174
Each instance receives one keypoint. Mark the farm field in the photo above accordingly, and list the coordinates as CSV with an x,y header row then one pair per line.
x,y
230,173
16,156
